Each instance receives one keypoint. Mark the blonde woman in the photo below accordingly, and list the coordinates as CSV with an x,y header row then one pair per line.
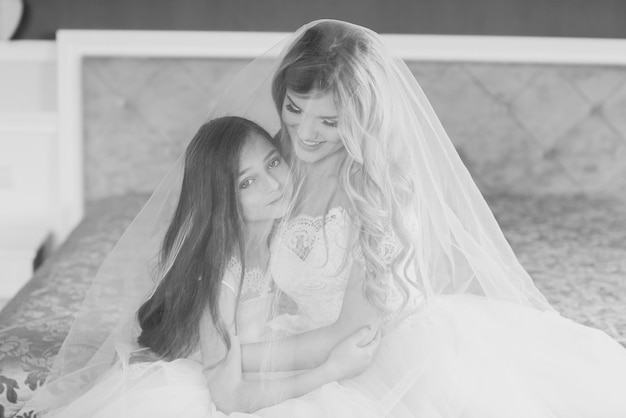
x,y
389,230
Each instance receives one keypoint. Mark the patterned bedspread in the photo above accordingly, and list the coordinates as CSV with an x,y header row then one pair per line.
x,y
574,248
35,322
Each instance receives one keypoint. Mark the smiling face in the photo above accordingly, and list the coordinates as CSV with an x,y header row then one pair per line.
x,y
311,122
264,181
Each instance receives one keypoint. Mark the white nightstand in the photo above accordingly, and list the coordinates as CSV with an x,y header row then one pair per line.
x,y
19,247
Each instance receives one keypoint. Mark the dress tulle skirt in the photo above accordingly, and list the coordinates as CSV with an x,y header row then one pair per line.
x,y
156,389
467,357
462,356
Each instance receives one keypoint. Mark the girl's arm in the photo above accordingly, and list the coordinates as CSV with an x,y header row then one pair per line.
x,y
310,349
232,392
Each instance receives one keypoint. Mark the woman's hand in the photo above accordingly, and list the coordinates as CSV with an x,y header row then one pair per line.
x,y
353,354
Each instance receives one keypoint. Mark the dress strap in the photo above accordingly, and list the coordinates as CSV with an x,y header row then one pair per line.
x,y
255,281
232,274
229,285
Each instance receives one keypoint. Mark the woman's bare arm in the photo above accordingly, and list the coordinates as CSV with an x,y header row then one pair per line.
x,y
311,349
232,392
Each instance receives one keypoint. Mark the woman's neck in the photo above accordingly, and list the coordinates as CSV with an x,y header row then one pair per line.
x,y
320,186
327,167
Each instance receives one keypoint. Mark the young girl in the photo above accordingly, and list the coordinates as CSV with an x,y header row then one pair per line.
x,y
210,296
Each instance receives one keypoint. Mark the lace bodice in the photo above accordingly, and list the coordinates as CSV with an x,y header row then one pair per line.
x,y
310,265
312,262
255,281
255,300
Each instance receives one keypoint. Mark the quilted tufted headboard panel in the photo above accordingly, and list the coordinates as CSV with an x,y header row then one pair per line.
x,y
520,128
534,128
139,113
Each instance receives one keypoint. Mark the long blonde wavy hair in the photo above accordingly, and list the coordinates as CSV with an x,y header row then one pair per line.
x,y
349,63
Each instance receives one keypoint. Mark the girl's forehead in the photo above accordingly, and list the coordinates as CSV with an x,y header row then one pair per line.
x,y
256,146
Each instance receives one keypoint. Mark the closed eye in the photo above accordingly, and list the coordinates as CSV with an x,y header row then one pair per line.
x,y
292,109
330,123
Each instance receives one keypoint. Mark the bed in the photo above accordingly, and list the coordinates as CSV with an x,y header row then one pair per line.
x,y
553,178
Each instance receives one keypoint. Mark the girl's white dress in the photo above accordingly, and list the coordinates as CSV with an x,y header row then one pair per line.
x,y
459,356
140,388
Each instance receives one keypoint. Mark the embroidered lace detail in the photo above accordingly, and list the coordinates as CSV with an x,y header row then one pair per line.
x,y
304,231
389,247
310,266
255,281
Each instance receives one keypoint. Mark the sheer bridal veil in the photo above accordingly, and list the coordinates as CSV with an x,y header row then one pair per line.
x,y
452,242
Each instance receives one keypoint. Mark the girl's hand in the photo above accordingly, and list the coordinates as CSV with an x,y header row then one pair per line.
x,y
353,354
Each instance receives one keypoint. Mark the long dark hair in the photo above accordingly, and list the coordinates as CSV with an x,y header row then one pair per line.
x,y
205,231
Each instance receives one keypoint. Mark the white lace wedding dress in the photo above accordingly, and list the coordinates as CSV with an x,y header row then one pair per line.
x,y
460,356
308,266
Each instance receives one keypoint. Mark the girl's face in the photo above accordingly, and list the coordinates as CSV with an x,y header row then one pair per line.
x,y
311,122
264,182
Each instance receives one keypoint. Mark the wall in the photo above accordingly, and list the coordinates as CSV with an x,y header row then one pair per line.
x,y
27,131
571,18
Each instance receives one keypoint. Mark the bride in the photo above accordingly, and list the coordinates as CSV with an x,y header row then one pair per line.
x,y
387,230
